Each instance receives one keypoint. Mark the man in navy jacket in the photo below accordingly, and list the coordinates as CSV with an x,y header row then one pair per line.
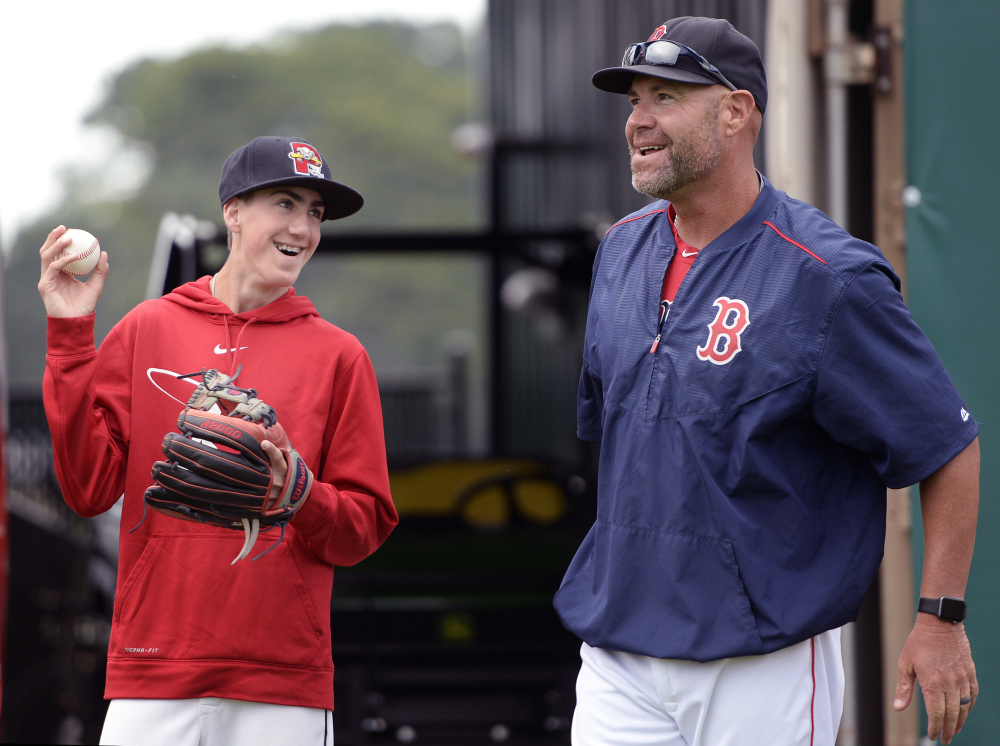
x,y
756,382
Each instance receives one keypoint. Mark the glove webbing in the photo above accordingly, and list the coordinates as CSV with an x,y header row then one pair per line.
x,y
217,389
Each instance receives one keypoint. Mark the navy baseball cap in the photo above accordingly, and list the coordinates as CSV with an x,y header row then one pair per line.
x,y
275,161
722,55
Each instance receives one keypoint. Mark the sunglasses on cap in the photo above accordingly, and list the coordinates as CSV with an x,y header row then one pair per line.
x,y
663,52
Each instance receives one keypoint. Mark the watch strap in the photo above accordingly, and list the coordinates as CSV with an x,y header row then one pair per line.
x,y
947,608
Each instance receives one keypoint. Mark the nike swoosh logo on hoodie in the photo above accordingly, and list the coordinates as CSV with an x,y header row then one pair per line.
x,y
220,350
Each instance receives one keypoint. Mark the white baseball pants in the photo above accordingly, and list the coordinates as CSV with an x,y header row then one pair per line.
x,y
212,721
793,697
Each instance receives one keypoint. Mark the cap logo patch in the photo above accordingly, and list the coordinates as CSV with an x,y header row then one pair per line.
x,y
307,159
658,34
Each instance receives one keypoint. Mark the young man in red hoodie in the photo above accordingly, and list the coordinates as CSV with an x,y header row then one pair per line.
x,y
201,651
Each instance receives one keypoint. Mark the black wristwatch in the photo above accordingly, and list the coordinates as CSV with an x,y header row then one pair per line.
x,y
948,608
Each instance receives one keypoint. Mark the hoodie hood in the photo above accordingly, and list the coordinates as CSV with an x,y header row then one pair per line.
x,y
198,296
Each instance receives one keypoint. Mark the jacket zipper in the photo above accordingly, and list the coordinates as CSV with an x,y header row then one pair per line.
x,y
664,312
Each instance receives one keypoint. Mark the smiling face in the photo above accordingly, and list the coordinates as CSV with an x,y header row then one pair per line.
x,y
673,134
274,233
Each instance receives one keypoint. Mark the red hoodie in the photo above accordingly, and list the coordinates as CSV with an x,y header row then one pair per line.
x,y
187,623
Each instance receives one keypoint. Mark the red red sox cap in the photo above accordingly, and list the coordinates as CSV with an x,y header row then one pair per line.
x,y
705,51
272,161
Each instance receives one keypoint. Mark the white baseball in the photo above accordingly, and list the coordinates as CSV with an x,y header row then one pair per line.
x,y
87,251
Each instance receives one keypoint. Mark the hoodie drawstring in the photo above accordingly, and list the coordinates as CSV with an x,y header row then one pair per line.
x,y
229,345
233,352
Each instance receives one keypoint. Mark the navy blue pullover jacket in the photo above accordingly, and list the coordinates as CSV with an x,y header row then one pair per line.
x,y
744,462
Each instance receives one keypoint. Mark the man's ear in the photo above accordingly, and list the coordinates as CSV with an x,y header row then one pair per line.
x,y
741,106
231,214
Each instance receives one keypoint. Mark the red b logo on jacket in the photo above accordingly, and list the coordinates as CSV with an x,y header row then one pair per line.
x,y
724,332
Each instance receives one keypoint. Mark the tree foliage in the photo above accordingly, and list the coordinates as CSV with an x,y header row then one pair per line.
x,y
380,101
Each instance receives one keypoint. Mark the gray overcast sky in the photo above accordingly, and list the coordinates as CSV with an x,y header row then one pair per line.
x,y
56,58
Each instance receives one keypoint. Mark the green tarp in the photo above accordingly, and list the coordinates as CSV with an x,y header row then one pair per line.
x,y
952,71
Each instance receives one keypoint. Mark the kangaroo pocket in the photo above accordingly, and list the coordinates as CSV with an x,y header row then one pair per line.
x,y
184,601
659,593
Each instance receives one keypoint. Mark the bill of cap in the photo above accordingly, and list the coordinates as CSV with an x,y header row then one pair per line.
x,y
339,200
619,79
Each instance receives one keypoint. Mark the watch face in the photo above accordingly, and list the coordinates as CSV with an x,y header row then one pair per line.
x,y
952,609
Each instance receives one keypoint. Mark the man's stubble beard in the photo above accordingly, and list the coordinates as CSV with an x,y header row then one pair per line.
x,y
689,159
